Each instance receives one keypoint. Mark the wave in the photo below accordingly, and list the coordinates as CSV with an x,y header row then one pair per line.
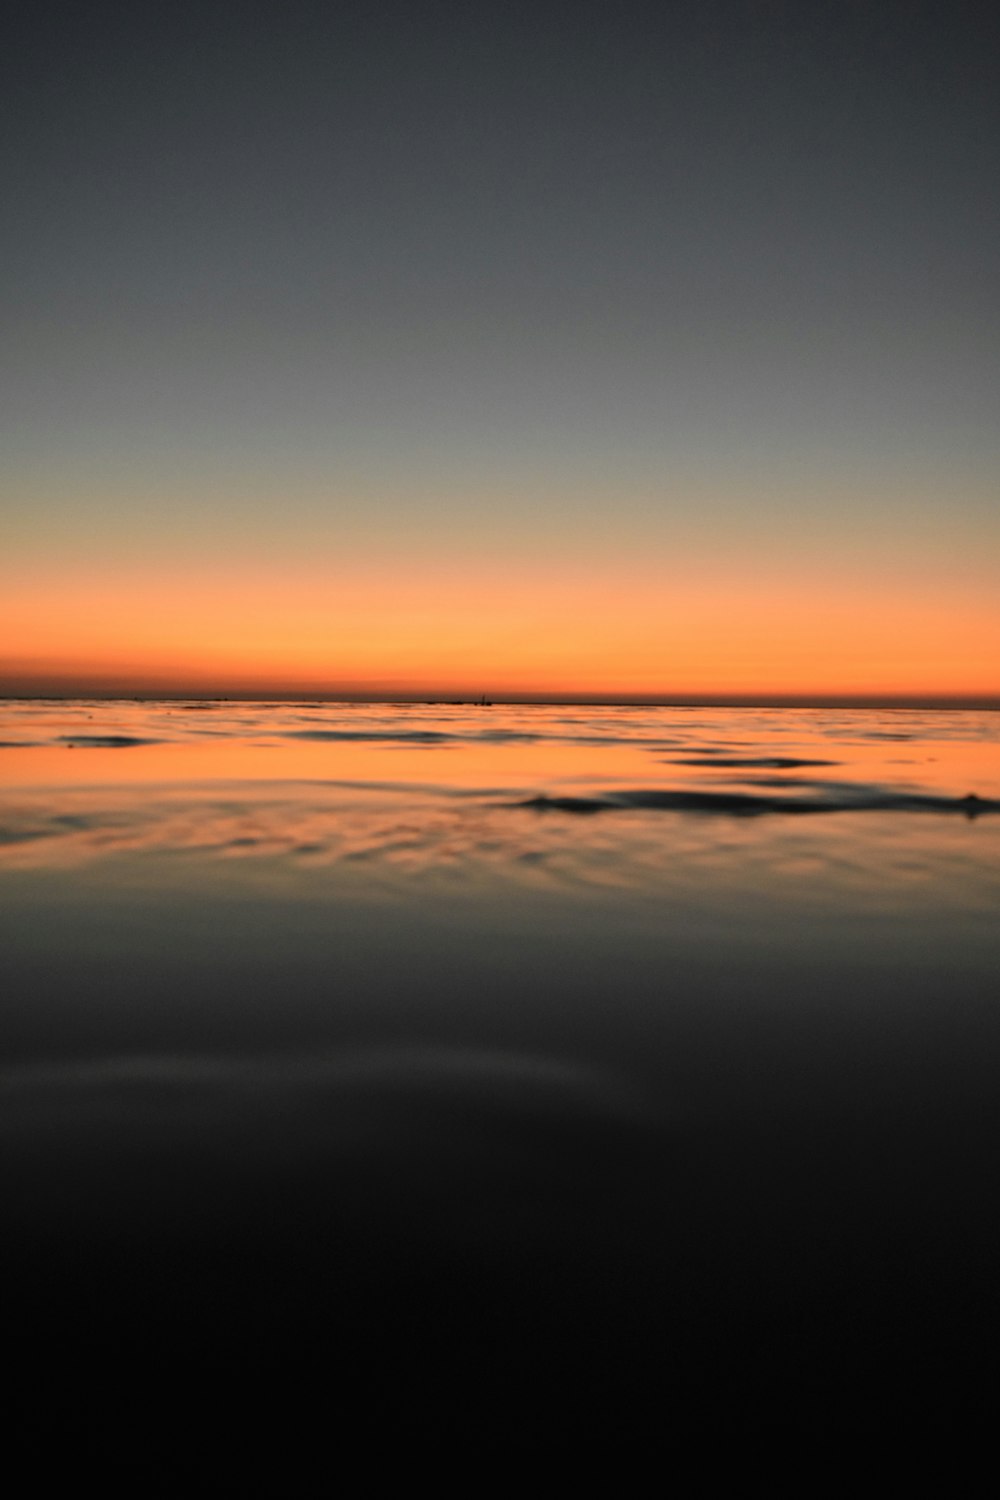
x,y
749,805
765,762
105,741
410,736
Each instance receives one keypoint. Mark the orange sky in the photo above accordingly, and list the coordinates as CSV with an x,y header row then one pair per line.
x,y
582,631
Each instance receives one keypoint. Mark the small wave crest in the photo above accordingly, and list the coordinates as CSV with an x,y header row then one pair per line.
x,y
411,736
748,804
106,741
762,762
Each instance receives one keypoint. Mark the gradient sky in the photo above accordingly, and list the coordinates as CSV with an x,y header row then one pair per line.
x,y
581,349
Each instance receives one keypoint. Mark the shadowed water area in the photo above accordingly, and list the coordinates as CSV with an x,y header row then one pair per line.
x,y
528,1070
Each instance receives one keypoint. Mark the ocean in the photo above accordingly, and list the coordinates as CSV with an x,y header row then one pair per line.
x,y
399,1077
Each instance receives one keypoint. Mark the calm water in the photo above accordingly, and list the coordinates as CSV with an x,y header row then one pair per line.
x,y
523,1071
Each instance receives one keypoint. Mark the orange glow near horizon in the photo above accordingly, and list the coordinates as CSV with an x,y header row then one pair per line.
x,y
531,631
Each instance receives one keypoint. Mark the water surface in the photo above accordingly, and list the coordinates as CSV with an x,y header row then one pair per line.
x,y
524,1060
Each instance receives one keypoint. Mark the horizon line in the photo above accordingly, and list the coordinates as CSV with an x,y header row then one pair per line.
x,y
988,702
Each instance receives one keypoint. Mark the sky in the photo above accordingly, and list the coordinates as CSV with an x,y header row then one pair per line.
x,y
638,351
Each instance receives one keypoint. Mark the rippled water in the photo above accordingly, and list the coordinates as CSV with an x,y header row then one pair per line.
x,y
524,1059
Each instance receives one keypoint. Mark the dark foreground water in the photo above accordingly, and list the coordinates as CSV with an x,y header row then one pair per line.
x,y
438,1079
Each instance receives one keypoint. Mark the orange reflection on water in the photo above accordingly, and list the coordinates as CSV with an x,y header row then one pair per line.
x,y
466,766
503,748
456,789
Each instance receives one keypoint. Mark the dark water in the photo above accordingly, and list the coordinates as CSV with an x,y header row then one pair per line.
x,y
414,1078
